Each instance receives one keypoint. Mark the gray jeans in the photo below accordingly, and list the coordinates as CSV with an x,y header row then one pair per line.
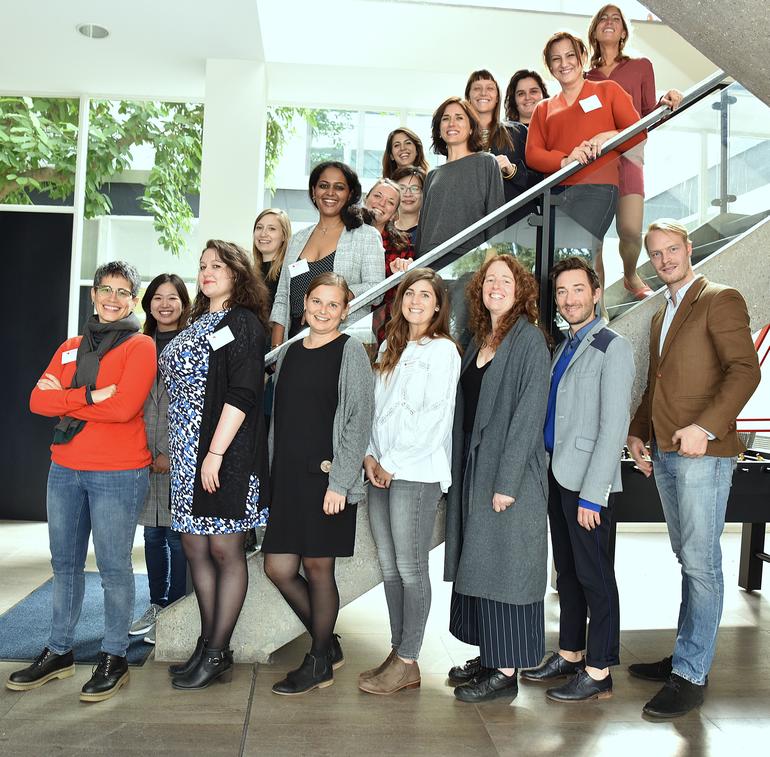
x,y
402,519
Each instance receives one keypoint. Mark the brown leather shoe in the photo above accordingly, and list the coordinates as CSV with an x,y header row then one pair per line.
x,y
376,671
396,676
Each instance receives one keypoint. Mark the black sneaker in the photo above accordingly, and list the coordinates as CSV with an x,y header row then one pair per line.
x,y
462,674
490,684
677,697
314,673
47,666
109,674
652,671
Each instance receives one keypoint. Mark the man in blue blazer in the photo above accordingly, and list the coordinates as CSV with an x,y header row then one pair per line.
x,y
588,412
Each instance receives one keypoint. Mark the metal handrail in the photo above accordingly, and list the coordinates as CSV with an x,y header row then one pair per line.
x,y
652,119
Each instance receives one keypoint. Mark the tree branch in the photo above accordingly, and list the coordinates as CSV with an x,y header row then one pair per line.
x,y
48,174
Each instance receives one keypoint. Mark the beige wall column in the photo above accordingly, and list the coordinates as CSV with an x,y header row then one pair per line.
x,y
232,173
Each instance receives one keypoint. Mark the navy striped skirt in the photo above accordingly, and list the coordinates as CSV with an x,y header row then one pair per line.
x,y
508,636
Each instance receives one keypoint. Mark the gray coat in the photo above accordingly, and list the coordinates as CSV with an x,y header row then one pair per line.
x,y
592,413
352,421
359,258
502,556
157,511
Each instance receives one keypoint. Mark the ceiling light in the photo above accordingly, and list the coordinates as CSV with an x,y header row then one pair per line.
x,y
93,31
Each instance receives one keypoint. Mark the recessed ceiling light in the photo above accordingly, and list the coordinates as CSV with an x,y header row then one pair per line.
x,y
93,31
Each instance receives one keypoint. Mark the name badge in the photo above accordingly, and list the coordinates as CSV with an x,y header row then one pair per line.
x,y
590,103
69,356
220,338
298,267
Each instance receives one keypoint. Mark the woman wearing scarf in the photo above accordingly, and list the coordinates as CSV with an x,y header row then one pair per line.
x,y
97,384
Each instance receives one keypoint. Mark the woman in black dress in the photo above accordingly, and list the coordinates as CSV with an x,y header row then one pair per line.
x,y
322,417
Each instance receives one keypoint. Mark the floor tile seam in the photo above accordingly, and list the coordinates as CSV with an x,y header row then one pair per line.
x,y
247,718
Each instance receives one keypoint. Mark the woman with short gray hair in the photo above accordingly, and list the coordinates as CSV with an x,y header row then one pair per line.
x,y
96,384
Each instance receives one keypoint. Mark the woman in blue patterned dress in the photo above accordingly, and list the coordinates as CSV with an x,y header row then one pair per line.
x,y
213,372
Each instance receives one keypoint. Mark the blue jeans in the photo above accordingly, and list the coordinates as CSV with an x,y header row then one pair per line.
x,y
107,504
402,519
166,564
694,492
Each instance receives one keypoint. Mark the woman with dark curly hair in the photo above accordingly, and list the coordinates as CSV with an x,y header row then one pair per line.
x,y
217,446
496,543
403,148
340,242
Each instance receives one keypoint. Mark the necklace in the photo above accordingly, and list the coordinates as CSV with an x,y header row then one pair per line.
x,y
324,230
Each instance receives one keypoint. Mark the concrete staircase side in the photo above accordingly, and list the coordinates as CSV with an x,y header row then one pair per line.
x,y
743,263
266,622
732,35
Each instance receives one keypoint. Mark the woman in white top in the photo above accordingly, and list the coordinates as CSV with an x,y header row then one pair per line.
x,y
408,463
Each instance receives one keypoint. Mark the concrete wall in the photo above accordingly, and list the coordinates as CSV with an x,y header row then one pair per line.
x,y
733,35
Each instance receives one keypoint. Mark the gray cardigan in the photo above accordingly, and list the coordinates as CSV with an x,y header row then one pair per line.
x,y
360,258
352,421
502,556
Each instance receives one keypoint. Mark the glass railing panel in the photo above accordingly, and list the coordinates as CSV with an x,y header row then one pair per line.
x,y
709,173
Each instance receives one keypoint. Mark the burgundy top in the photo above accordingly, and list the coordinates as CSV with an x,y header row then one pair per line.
x,y
636,76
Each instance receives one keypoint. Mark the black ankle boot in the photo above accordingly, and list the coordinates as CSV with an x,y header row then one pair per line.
x,y
214,665
185,667
314,673
110,673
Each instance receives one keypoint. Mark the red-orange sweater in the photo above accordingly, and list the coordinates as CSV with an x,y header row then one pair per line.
x,y
557,128
114,436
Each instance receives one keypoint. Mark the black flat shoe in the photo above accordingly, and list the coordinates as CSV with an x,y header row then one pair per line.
x,y
580,688
185,667
677,697
336,656
491,684
109,674
314,673
214,665
462,674
47,666
553,668
652,671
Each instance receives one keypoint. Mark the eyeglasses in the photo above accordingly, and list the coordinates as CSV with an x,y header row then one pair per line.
x,y
412,189
107,291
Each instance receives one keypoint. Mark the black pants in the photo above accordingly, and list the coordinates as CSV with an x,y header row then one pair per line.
x,y
585,579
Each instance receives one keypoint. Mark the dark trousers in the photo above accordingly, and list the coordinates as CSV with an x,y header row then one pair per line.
x,y
166,565
585,579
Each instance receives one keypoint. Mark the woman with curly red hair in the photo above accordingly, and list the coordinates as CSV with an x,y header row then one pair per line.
x,y
496,543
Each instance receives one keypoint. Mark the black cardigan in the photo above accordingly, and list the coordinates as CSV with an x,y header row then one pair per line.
x,y
235,377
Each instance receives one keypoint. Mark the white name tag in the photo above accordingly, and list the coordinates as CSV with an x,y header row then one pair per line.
x,y
69,356
220,338
590,103
298,267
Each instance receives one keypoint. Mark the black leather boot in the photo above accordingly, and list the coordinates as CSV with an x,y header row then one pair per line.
x,y
109,674
47,666
314,673
214,665
336,656
183,668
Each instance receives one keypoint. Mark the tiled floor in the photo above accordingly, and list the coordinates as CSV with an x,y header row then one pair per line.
x,y
244,717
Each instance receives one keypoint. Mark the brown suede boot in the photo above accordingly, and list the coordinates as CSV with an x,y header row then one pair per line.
x,y
396,676
376,671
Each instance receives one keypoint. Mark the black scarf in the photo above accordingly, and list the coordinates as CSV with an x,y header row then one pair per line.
x,y
98,340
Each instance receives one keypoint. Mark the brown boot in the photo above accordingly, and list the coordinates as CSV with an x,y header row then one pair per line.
x,y
376,671
396,676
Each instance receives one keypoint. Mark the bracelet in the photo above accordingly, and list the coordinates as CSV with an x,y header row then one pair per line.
x,y
218,454
510,175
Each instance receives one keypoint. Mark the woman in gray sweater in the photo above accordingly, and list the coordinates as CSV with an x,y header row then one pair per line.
x,y
322,417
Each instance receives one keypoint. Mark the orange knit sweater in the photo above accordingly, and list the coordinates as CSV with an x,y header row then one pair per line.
x,y
113,437
557,128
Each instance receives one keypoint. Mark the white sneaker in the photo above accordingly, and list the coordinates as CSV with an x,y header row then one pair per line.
x,y
146,622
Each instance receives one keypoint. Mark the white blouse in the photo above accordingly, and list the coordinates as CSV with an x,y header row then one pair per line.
x,y
414,410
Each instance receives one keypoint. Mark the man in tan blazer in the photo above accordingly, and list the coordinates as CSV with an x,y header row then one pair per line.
x,y
703,369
